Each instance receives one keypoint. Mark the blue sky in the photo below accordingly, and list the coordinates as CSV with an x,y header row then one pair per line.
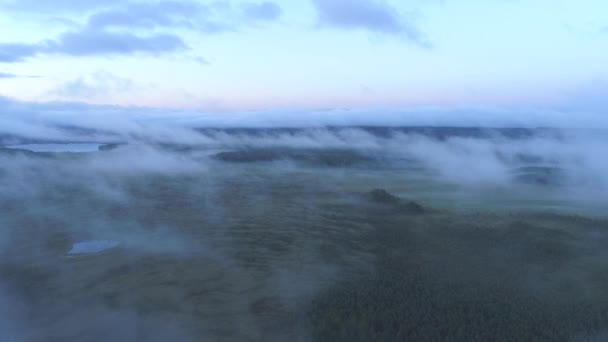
x,y
307,54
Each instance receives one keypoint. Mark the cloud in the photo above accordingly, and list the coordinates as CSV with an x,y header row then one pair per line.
x,y
94,43
263,11
10,75
372,15
208,18
93,85
91,42
16,52
201,60
109,30
44,121
46,6
41,119
158,14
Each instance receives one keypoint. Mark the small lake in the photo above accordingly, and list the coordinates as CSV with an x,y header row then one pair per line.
x,y
92,247
68,147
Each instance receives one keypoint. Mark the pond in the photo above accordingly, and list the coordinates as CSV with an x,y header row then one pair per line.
x,y
92,246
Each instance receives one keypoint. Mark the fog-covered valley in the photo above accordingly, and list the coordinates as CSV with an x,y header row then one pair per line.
x,y
316,234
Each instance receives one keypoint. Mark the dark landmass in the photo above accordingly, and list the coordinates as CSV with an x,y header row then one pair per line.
x,y
436,132
542,175
383,197
20,152
110,147
320,157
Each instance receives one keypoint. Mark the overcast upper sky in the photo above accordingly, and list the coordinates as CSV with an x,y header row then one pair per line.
x,y
299,54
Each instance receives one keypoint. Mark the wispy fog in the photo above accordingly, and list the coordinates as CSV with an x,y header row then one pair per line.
x,y
175,230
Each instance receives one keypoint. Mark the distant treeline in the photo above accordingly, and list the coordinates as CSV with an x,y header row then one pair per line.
x,y
436,132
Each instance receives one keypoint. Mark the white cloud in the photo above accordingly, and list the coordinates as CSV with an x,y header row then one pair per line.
x,y
371,15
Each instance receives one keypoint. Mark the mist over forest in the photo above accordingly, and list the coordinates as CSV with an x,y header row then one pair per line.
x,y
333,233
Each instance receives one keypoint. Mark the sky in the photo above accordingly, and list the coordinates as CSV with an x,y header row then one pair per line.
x,y
249,55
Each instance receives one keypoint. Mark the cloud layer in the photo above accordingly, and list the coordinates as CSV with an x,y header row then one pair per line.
x,y
109,30
56,6
263,11
11,75
94,43
372,15
7,75
44,120
16,52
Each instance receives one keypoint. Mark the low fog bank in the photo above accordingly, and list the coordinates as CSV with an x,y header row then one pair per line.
x,y
276,234
469,147
469,158
568,161
80,122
